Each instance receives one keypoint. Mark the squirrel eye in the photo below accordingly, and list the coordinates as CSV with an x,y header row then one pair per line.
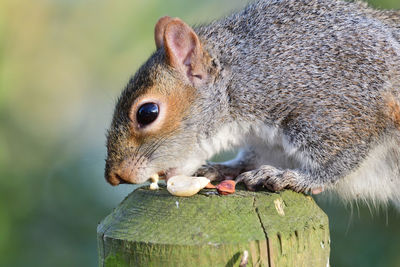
x,y
147,113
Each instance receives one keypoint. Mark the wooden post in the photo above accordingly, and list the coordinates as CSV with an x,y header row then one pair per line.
x,y
154,228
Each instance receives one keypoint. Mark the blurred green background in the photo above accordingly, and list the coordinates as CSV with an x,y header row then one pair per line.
x,y
62,65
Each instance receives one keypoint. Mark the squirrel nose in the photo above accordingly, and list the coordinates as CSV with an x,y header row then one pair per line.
x,y
121,175
114,179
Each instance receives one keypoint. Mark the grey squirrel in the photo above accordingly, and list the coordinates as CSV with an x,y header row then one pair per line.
x,y
308,89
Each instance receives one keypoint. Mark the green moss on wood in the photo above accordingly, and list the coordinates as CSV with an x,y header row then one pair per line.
x,y
153,228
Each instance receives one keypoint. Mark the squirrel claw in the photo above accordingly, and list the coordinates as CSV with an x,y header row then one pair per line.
x,y
251,183
271,178
217,172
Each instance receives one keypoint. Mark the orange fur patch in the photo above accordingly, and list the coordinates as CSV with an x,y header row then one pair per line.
x,y
394,110
174,97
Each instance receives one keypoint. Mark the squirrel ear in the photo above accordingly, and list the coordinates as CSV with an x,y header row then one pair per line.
x,y
159,30
183,50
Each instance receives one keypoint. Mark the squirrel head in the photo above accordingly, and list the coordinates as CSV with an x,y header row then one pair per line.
x,y
155,123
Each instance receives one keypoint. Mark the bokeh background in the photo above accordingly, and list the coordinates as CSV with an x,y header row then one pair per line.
x,y
62,66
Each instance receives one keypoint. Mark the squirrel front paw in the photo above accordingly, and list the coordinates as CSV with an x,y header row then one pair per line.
x,y
218,172
271,178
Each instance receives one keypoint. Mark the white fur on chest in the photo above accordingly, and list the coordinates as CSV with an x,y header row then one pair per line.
x,y
228,137
274,148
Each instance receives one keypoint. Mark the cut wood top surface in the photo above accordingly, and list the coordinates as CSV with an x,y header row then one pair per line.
x,y
160,218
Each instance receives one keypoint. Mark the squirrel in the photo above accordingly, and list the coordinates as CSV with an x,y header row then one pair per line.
x,y
308,90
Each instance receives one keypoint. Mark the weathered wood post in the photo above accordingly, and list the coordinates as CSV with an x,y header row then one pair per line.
x,y
154,228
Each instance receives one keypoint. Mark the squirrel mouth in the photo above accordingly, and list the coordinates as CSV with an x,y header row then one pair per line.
x,y
165,175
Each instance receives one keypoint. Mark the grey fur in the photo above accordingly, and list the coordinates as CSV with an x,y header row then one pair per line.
x,y
309,79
